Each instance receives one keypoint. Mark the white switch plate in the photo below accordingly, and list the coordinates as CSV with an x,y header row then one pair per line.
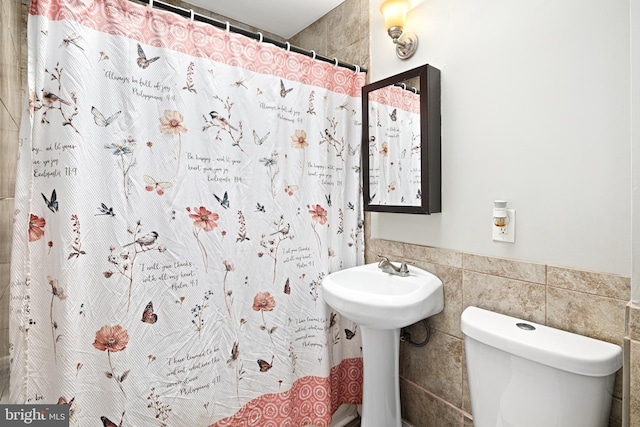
x,y
508,232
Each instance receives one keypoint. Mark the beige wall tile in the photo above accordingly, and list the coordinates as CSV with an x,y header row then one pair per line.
x,y
343,24
606,285
9,30
508,268
423,409
4,309
615,417
433,255
314,37
632,330
448,321
6,230
388,248
523,300
585,314
634,395
8,159
436,367
7,123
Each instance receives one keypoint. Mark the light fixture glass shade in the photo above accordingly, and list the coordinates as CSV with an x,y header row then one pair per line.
x,y
394,12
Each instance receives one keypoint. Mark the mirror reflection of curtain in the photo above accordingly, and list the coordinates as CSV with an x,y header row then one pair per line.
x,y
181,192
394,147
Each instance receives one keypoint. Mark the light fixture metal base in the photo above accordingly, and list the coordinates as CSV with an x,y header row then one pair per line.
x,y
406,45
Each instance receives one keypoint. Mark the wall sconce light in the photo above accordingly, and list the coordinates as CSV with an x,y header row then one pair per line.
x,y
395,12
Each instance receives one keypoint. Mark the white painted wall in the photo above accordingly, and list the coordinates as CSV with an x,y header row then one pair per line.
x,y
635,147
535,111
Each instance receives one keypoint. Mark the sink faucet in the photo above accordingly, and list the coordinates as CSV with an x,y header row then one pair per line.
x,y
388,267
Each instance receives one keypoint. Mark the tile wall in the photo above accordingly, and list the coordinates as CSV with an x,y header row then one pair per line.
x,y
13,15
433,378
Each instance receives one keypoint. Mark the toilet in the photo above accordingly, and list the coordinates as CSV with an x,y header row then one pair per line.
x,y
522,374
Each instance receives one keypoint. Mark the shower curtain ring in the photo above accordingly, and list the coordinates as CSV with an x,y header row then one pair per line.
x,y
414,90
228,27
150,5
193,15
313,54
357,70
288,46
404,86
336,62
261,37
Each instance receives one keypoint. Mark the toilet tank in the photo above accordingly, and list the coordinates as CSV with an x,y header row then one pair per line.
x,y
522,374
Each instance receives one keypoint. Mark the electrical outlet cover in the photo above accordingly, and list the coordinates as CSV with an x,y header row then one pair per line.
x,y
507,233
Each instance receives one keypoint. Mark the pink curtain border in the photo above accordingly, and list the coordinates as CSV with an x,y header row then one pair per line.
x,y
306,403
171,31
397,97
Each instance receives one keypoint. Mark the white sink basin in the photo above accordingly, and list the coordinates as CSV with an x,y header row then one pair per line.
x,y
371,298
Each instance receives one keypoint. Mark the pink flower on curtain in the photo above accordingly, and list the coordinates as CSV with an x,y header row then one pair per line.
x,y
36,225
264,301
299,141
385,149
171,124
203,219
113,339
318,215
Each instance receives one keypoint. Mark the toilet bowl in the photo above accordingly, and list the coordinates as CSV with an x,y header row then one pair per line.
x,y
522,374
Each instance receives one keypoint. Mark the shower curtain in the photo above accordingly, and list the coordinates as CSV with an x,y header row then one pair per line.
x,y
394,147
181,193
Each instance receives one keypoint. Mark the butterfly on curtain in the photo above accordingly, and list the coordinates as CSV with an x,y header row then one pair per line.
x,y
328,199
100,120
283,90
287,287
393,115
148,316
260,208
391,187
350,206
264,365
105,210
106,422
349,333
52,203
419,194
224,201
142,60
289,189
158,186
372,197
259,140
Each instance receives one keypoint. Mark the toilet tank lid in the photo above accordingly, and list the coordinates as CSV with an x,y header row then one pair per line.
x,y
545,345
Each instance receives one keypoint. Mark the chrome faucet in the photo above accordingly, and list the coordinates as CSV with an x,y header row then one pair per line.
x,y
388,267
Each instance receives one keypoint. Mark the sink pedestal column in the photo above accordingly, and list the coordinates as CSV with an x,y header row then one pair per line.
x,y
381,382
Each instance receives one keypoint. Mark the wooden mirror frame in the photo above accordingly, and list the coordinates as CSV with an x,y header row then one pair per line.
x,y
430,141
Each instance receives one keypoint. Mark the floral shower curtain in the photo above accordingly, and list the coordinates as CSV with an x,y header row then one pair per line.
x,y
181,193
394,161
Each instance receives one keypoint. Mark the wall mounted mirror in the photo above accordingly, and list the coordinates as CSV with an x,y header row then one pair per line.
x,y
401,142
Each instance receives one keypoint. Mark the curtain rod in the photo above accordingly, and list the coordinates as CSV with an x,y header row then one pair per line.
x,y
187,13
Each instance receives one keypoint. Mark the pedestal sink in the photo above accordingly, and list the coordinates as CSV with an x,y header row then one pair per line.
x,y
382,303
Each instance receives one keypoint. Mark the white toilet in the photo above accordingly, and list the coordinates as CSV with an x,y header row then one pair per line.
x,y
522,374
